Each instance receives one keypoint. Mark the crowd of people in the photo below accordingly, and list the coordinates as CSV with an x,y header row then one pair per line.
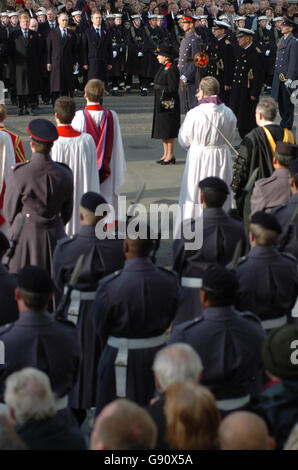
x,y
100,348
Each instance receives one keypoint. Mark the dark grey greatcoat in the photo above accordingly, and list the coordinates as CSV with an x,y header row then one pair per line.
x,y
24,55
166,125
43,191
97,52
102,257
62,55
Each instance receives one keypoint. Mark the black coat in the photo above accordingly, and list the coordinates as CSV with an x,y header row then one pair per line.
x,y
166,125
138,41
118,37
3,50
62,56
97,52
24,56
8,283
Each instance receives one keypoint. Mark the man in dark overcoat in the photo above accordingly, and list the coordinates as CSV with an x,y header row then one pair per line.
x,y
41,192
24,56
97,51
62,58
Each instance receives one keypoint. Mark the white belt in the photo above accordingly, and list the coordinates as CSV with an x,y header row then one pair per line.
x,y
76,297
123,345
62,403
215,146
232,403
191,282
274,323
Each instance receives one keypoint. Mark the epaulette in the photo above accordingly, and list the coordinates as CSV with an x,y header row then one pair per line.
x,y
64,164
5,328
258,50
190,323
65,240
227,41
18,165
109,277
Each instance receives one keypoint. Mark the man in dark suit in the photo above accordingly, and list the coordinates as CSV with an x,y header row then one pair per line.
x,y
44,29
62,58
97,49
24,55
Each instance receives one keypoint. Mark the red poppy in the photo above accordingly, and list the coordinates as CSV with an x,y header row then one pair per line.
x,y
30,37
243,55
216,47
39,35
69,35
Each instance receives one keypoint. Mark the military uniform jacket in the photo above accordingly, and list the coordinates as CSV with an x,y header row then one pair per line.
x,y
189,46
101,257
283,215
267,283
3,50
230,346
265,40
138,41
97,52
42,190
137,302
247,81
118,37
221,61
271,192
286,62
62,55
36,339
25,58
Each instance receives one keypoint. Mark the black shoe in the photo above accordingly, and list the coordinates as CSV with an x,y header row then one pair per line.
x,y
116,93
169,162
144,92
20,112
159,161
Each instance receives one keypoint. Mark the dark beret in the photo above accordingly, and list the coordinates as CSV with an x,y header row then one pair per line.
x,y
277,352
35,279
285,148
42,130
91,200
212,182
266,220
4,243
294,166
219,279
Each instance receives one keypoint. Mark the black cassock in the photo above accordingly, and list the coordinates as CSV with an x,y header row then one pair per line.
x,y
62,56
25,58
97,52
166,125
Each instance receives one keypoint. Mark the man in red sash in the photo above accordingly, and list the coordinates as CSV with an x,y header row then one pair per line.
x,y
103,125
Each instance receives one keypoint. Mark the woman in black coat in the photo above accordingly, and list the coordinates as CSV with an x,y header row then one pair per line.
x,y
166,124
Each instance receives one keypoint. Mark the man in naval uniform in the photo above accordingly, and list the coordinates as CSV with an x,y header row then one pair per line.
x,y
132,310
189,73
286,71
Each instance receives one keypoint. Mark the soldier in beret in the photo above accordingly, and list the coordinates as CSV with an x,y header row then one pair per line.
x,y
228,343
275,190
267,279
37,340
102,257
41,191
247,82
286,71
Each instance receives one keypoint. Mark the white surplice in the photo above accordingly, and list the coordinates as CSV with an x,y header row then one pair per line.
x,y
208,154
7,161
110,188
79,153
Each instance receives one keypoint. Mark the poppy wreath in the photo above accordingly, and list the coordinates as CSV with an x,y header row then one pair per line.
x,y
201,60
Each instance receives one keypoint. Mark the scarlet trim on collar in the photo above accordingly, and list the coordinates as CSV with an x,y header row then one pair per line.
x,y
67,131
94,107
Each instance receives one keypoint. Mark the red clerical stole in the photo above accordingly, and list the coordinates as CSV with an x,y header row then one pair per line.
x,y
103,137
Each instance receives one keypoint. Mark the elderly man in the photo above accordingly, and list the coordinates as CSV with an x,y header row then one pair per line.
x,y
32,407
178,362
208,154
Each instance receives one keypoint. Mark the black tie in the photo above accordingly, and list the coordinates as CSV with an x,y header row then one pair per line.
x,y
26,34
98,31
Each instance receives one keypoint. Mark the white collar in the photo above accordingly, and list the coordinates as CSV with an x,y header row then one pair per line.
x,y
267,123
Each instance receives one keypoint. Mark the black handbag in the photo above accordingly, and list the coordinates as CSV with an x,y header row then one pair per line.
x,y
166,105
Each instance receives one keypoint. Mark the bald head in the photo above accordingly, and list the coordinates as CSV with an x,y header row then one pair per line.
x,y
243,430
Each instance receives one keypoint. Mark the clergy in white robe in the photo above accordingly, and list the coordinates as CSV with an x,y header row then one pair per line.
x,y
7,160
77,150
208,153
110,187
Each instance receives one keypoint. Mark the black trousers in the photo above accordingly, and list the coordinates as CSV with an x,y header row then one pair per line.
x,y
286,107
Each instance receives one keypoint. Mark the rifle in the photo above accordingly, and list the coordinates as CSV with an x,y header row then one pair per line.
x,y
15,241
59,314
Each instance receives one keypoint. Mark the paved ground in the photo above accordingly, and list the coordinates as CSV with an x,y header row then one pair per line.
x,y
135,116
